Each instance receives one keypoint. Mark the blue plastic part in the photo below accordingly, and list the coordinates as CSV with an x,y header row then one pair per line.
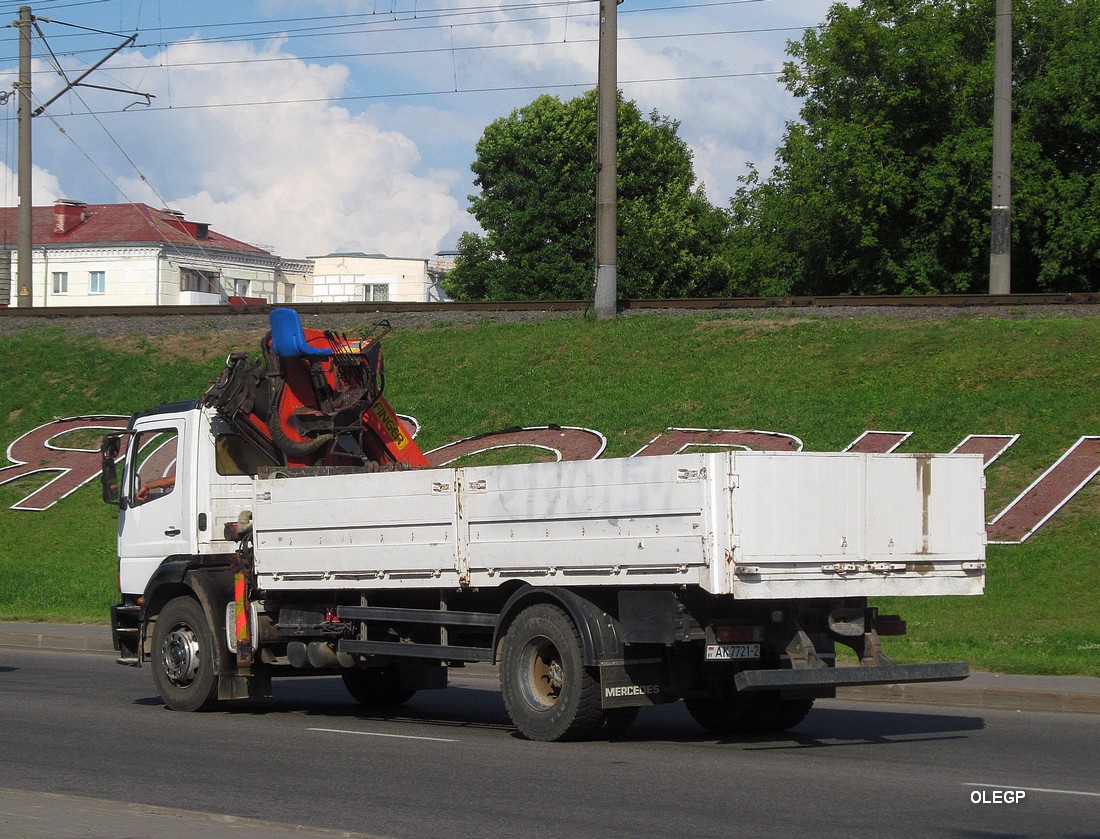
x,y
287,338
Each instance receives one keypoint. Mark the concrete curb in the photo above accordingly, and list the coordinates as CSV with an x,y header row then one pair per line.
x,y
972,694
70,638
992,691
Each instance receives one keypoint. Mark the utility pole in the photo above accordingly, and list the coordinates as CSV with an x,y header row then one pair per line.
x,y
1000,237
606,164
24,218
25,214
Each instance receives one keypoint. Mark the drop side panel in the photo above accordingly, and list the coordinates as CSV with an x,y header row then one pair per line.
x,y
848,524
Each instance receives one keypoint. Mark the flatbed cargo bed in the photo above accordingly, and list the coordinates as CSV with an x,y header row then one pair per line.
x,y
757,525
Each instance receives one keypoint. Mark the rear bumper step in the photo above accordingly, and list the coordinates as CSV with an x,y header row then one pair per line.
x,y
881,674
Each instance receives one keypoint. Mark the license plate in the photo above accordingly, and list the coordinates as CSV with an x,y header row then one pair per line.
x,y
728,652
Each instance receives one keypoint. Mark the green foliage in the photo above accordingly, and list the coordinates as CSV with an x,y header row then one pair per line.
x,y
884,185
630,378
537,175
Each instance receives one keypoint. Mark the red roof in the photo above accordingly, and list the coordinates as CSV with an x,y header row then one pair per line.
x,y
116,224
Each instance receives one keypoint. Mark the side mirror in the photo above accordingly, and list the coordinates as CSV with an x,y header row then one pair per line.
x,y
108,451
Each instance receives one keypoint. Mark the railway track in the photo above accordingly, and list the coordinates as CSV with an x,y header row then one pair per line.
x,y
708,303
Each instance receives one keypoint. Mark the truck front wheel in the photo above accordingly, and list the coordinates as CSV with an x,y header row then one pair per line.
x,y
183,656
549,693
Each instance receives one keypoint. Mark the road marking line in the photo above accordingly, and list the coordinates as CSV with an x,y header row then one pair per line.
x,y
379,734
1035,789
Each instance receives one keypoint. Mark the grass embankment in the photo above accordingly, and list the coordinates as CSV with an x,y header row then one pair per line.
x,y
825,381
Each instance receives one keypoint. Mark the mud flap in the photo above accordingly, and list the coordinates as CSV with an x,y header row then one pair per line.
x,y
242,687
633,684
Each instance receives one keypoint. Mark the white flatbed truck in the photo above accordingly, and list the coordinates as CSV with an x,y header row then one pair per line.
x,y
725,579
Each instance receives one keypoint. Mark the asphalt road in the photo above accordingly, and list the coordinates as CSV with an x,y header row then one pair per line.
x,y
450,764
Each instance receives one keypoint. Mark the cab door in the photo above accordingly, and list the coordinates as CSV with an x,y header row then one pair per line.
x,y
156,511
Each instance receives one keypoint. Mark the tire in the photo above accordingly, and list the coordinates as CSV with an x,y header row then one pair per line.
x,y
727,715
782,714
184,652
549,693
750,713
378,687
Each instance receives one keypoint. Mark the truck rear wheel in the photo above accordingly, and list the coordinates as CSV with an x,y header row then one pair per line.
x,y
781,714
737,714
549,693
378,687
750,713
183,656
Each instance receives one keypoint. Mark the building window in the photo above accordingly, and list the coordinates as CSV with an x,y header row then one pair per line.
x,y
240,288
97,282
376,292
60,282
192,279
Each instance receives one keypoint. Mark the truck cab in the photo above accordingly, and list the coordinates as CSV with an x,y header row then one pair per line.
x,y
186,475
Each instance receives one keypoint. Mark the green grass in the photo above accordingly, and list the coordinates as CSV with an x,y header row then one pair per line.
x,y
825,381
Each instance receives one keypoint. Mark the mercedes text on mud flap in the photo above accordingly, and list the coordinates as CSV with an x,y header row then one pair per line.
x,y
286,523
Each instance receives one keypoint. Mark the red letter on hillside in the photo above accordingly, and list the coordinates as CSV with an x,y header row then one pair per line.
x,y
878,442
567,443
1033,507
33,453
989,446
677,440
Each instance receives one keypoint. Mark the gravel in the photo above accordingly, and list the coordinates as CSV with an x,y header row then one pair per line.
x,y
107,325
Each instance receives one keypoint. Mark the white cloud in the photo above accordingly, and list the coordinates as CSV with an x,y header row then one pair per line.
x,y
45,188
303,176
731,119
386,170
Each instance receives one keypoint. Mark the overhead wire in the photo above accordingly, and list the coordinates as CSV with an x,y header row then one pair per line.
x,y
51,4
125,196
440,11
451,47
420,18
441,92
453,50
374,22
460,48
141,175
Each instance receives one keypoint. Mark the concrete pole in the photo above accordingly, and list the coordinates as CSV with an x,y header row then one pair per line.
x,y
1000,239
24,217
606,164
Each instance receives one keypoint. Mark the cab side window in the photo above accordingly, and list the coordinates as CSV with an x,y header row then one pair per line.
x,y
235,456
155,475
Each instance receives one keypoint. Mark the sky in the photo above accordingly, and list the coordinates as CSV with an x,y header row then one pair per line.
x,y
343,126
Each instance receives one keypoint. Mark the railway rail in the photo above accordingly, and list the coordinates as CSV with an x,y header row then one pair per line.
x,y
712,303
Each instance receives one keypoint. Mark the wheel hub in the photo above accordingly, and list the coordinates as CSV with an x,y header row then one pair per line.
x,y
545,674
180,655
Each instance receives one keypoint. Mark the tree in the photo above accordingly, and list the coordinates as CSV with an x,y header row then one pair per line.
x,y
883,186
537,202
